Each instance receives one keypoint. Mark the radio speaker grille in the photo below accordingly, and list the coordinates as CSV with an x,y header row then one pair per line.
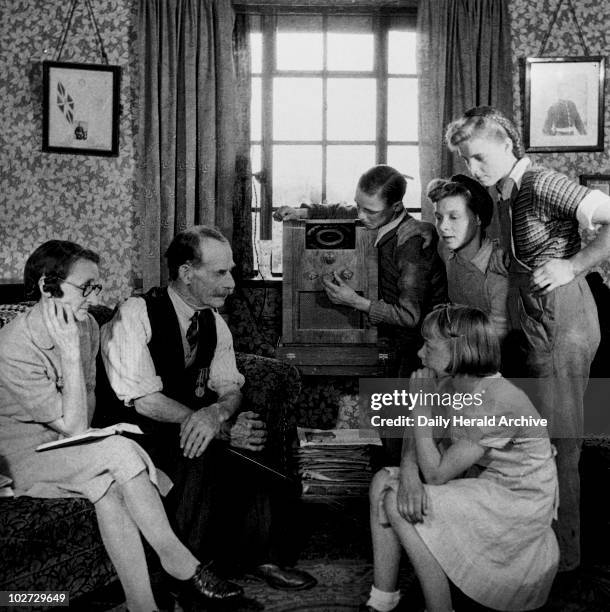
x,y
316,311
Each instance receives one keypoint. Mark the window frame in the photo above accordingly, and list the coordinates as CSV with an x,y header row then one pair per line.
x,y
382,22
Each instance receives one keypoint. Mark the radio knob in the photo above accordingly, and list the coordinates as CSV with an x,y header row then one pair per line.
x,y
329,258
347,274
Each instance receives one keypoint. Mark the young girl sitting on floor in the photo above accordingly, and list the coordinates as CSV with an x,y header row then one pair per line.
x,y
488,533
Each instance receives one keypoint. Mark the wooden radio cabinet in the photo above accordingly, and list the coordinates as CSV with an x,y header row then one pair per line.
x,y
318,336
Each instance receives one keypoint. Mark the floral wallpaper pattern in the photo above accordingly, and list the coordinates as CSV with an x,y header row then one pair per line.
x,y
255,314
92,199
530,21
87,199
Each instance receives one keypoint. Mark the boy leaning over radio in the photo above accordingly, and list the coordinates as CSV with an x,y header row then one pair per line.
x,y
412,279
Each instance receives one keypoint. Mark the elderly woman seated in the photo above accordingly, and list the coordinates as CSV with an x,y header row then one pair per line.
x,y
47,380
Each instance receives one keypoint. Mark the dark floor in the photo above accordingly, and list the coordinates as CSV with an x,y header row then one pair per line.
x,y
342,531
339,531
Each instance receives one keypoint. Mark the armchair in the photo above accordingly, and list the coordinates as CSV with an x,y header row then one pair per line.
x,y
54,544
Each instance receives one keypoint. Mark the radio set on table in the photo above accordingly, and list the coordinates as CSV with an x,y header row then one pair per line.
x,y
320,337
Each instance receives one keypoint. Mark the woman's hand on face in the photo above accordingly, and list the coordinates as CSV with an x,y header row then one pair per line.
x,y
63,328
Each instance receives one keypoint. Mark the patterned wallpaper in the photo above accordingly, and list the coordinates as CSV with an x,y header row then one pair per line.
x,y
530,21
92,199
256,313
88,199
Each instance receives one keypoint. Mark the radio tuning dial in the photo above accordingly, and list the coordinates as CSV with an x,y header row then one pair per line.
x,y
311,276
329,258
347,274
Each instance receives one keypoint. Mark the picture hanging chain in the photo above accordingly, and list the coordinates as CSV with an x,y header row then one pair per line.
x,y
554,19
60,46
66,30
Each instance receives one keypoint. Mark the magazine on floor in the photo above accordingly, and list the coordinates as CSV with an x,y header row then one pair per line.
x,y
337,437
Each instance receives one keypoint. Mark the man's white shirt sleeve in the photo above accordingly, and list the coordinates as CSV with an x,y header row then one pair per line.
x,y
590,203
224,375
129,365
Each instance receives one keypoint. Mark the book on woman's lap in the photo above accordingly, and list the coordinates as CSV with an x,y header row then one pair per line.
x,y
90,435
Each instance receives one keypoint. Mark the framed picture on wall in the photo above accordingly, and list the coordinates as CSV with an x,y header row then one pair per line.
x,y
80,108
564,104
596,181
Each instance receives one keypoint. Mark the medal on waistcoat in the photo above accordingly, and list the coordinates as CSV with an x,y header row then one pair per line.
x,y
202,381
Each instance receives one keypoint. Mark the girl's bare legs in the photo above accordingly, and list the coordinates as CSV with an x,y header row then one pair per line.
x,y
433,580
387,549
121,538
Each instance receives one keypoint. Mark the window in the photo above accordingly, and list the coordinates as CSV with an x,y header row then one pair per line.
x,y
332,95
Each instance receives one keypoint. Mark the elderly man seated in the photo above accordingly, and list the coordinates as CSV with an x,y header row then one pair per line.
x,y
169,358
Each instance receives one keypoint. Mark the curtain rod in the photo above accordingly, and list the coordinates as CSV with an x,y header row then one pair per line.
x,y
318,10
338,6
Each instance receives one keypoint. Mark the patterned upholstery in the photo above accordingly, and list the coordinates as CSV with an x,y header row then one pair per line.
x,y
51,544
271,389
54,544
9,311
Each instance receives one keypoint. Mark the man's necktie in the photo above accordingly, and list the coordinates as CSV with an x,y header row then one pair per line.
x,y
201,337
192,333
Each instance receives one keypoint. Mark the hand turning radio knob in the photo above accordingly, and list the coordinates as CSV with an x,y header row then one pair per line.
x,y
346,274
329,258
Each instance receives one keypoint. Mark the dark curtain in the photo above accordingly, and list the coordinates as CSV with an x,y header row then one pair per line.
x,y
192,126
464,60
242,201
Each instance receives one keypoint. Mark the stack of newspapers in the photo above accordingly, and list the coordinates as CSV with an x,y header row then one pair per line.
x,y
335,462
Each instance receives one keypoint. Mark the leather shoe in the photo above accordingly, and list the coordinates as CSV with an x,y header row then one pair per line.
x,y
285,579
207,585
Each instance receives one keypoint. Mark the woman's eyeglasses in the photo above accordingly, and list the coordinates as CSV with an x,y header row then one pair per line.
x,y
87,289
